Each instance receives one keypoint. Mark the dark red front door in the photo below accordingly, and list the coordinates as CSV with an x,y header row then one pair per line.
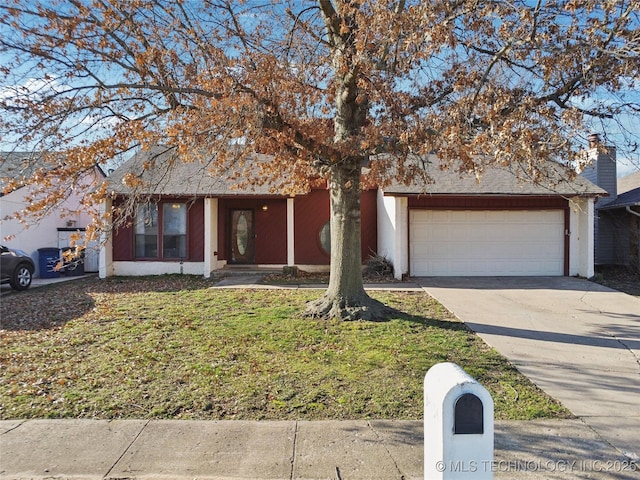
x,y
242,237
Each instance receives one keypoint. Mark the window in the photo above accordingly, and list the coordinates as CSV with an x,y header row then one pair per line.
x,y
174,230
325,237
146,231
161,231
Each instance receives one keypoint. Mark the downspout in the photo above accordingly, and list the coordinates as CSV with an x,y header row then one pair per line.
x,y
628,209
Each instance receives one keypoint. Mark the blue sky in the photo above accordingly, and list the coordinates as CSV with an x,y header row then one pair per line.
x,y
628,162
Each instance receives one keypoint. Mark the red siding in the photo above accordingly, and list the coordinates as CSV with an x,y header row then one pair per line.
x,y
369,207
271,232
312,211
122,240
123,243
453,202
195,226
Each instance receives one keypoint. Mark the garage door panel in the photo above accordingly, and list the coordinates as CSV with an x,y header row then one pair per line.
x,y
449,242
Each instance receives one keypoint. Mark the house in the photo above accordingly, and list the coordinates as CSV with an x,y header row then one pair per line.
x,y
196,223
192,222
617,220
623,216
54,229
501,225
628,182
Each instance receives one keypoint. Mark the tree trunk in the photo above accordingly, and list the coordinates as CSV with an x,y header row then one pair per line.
x,y
345,297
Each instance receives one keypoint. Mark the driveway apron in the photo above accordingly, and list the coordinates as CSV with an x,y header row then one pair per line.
x,y
577,340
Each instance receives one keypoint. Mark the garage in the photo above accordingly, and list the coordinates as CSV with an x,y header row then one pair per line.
x,y
486,242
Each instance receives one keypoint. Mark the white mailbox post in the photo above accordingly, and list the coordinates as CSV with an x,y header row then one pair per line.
x,y
458,425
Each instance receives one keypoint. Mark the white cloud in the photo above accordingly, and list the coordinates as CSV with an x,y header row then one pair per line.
x,y
32,89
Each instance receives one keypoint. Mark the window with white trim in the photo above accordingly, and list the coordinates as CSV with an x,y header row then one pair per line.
x,y
146,231
161,230
174,230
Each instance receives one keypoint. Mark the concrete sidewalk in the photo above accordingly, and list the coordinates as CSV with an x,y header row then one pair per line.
x,y
302,450
254,281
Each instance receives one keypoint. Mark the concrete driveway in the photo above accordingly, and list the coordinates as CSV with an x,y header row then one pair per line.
x,y
577,340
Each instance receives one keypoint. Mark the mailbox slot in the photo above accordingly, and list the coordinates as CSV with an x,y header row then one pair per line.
x,y
468,415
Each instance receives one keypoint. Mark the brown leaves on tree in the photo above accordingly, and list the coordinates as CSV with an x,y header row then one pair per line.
x,y
319,86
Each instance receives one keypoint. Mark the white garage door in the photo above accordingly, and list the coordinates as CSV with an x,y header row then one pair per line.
x,y
475,243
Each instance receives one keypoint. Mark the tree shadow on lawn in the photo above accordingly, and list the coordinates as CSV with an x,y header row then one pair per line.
x,y
428,320
43,308
52,306
151,283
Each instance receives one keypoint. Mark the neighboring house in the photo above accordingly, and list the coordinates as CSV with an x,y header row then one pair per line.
x,y
617,222
194,223
628,182
53,230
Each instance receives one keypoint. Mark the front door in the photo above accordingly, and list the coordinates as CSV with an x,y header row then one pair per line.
x,y
242,237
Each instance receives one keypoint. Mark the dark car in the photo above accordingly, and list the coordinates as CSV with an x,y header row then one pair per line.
x,y
16,268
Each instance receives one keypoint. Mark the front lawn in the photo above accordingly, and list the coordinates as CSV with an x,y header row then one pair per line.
x,y
173,347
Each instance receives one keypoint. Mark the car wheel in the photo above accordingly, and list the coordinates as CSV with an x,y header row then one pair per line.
x,y
21,278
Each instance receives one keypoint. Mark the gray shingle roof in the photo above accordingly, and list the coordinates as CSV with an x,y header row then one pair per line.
x,y
18,166
195,179
627,199
496,181
169,175
629,182
21,166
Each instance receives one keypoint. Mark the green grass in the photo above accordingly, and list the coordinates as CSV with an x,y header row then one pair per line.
x,y
172,347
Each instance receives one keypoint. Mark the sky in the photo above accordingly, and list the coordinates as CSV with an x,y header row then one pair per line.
x,y
628,162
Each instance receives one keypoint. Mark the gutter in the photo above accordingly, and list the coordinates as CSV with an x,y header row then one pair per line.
x,y
628,209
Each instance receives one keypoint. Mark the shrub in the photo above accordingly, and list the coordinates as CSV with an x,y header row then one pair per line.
x,y
378,266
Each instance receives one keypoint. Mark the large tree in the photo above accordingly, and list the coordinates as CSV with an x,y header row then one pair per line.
x,y
326,88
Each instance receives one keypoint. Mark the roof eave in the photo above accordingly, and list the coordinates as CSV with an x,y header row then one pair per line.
x,y
618,206
494,194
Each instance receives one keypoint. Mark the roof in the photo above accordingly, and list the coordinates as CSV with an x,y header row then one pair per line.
x,y
627,199
20,166
496,181
629,182
163,173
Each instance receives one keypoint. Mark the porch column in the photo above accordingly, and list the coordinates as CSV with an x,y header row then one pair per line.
x,y
401,247
587,267
291,258
581,246
105,257
210,236
392,213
